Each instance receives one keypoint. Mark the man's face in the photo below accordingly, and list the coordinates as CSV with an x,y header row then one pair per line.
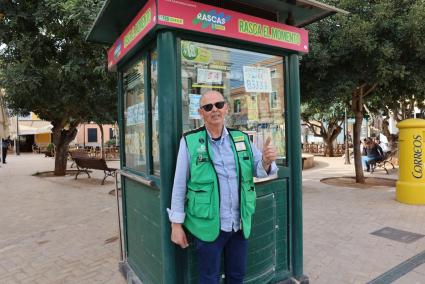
x,y
214,117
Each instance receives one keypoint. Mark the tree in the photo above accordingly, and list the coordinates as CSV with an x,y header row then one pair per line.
x,y
49,68
323,100
368,57
403,31
324,123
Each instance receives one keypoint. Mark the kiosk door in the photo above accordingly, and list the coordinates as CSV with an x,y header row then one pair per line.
x,y
141,194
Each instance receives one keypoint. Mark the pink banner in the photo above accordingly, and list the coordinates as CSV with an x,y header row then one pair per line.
x,y
188,15
203,18
144,21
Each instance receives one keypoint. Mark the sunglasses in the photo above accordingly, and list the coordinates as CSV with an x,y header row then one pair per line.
x,y
209,107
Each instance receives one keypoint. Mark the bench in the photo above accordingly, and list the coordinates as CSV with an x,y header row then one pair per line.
x,y
77,153
387,160
84,163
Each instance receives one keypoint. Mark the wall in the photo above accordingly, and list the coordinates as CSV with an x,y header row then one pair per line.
x,y
82,136
42,139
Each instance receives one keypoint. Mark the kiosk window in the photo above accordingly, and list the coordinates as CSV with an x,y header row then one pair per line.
x,y
154,113
252,84
134,117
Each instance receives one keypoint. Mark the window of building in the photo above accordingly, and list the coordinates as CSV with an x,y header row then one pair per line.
x,y
273,100
92,135
237,106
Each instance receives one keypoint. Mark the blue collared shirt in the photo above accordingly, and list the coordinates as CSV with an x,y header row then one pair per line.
x,y
225,166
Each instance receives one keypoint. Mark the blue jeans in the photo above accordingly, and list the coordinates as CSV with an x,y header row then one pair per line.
x,y
234,246
366,161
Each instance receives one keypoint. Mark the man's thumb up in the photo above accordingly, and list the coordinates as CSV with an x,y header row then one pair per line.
x,y
269,154
268,140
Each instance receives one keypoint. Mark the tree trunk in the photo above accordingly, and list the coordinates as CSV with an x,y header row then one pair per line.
x,y
61,138
357,107
386,129
334,129
328,135
329,152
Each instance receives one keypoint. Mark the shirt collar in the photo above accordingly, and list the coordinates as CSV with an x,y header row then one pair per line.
x,y
224,134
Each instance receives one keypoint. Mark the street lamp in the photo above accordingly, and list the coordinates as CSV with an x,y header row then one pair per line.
x,y
84,135
17,136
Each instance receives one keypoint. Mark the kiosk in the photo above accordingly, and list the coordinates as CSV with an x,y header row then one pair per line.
x,y
166,54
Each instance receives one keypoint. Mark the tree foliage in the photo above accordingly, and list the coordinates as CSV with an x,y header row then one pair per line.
x,y
49,68
372,56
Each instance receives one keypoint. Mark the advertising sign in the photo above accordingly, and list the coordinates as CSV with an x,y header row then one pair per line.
x,y
135,114
203,18
191,52
257,79
209,76
194,16
138,28
194,106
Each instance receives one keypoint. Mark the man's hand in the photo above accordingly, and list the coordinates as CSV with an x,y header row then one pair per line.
x,y
178,236
269,154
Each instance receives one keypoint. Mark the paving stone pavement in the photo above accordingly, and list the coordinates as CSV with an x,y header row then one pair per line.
x,y
338,222
56,229
53,229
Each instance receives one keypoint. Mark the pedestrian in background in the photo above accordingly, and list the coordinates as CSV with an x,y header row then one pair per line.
x,y
373,152
5,146
381,144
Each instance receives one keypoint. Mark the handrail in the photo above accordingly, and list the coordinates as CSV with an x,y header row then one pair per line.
x,y
137,178
260,180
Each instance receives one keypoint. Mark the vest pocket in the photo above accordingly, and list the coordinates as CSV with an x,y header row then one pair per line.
x,y
249,198
199,201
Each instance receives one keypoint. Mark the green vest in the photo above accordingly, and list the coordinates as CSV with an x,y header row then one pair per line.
x,y
203,191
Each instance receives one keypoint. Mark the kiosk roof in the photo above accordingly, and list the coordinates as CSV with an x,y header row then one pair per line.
x,y
117,14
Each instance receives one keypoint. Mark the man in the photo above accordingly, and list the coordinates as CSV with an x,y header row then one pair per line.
x,y
372,153
383,146
214,173
5,146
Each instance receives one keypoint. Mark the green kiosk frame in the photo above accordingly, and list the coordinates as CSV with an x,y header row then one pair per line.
x,y
166,54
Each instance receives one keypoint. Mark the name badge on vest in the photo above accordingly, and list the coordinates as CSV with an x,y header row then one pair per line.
x,y
240,146
238,138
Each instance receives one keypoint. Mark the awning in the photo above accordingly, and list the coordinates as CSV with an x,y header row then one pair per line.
x,y
26,130
31,127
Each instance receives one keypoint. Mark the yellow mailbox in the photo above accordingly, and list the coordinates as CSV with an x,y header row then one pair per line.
x,y
410,186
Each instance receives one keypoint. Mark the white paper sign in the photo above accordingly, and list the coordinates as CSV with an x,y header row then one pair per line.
x,y
209,76
257,79
136,114
194,106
